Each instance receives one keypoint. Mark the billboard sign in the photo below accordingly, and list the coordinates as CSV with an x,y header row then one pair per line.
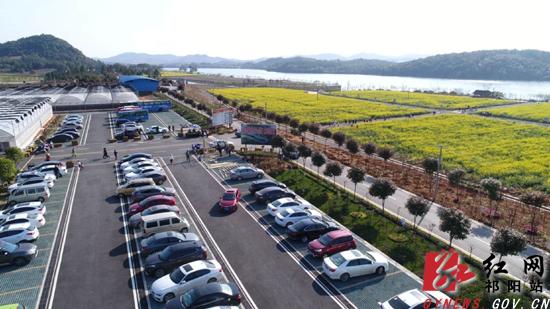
x,y
222,116
257,134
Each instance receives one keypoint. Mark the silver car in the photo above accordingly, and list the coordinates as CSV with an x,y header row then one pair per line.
x,y
245,172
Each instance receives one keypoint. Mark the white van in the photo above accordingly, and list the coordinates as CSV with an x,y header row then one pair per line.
x,y
163,222
36,192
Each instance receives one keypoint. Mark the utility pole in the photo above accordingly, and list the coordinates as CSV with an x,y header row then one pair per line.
x,y
439,161
265,111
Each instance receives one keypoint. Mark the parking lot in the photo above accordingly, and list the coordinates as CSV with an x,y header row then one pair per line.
x,y
97,258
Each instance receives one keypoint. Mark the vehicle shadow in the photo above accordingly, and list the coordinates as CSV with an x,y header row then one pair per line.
x,y
113,199
118,250
215,211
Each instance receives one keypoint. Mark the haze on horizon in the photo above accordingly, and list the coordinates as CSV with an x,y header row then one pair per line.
x,y
243,29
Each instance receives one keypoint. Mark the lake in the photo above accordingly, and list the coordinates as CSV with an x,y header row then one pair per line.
x,y
511,89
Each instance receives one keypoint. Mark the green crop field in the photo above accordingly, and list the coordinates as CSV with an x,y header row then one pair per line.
x,y
518,154
7,78
539,112
175,74
308,107
422,99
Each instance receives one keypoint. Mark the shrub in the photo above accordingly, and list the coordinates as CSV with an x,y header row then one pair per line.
x,y
150,136
74,143
69,164
112,140
15,154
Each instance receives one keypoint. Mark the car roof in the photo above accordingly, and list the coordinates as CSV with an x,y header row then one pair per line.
x,y
159,197
162,215
195,265
412,297
211,288
269,189
138,189
352,254
17,226
338,233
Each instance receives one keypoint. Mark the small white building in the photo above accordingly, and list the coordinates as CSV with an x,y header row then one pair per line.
x,y
21,120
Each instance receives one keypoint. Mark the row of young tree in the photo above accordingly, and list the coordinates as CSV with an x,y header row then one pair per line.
x,y
452,221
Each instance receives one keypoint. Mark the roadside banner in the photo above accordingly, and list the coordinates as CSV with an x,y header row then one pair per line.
x,y
257,134
222,116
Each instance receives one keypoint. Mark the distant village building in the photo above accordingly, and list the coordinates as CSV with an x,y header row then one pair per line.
x,y
488,94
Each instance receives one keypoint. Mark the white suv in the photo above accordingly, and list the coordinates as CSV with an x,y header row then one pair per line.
x,y
16,233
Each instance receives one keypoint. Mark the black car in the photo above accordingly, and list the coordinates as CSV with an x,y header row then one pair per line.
x,y
135,155
193,133
74,134
161,263
60,138
160,241
18,254
130,133
42,164
270,194
207,296
264,183
120,121
309,229
66,130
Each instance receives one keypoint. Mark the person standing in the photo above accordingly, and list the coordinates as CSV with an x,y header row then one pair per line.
x,y
187,156
105,154
116,154
171,159
73,153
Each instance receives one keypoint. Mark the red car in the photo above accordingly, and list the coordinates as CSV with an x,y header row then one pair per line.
x,y
151,201
228,202
331,242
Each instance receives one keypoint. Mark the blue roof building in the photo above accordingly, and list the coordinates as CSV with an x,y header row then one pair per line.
x,y
139,84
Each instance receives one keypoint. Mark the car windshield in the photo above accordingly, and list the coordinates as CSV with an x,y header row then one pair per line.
x,y
397,303
165,254
277,203
325,239
176,276
188,298
228,196
9,247
337,259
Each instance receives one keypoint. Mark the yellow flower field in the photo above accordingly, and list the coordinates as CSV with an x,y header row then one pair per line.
x,y
539,112
518,154
422,99
308,107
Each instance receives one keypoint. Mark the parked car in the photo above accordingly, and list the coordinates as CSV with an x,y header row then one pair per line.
x,y
331,243
228,201
245,172
58,170
16,233
134,161
33,174
121,121
139,166
160,241
73,134
158,176
28,207
135,219
354,263
134,156
35,219
60,138
274,207
207,296
129,187
128,132
17,254
60,164
132,126
144,192
413,299
310,228
69,131
151,201
291,215
163,222
29,193
77,116
161,263
72,125
156,130
186,277
141,170
30,181
271,194
264,183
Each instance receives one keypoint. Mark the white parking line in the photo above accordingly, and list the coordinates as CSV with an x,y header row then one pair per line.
x,y
211,238
298,259
163,123
86,130
110,124
137,303
49,302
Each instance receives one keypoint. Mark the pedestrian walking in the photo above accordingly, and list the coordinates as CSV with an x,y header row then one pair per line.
x,y
116,154
80,166
48,156
73,153
171,159
105,154
187,156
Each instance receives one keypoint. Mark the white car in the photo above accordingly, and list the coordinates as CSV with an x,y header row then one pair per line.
x,y
137,167
35,219
33,174
291,215
185,278
135,161
354,263
156,130
274,207
30,181
27,207
144,169
143,173
132,125
415,298
16,233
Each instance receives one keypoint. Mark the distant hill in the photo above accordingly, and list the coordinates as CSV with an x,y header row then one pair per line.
x,y
42,52
165,60
527,65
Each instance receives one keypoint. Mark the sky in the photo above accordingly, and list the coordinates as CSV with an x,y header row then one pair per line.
x,y
242,29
